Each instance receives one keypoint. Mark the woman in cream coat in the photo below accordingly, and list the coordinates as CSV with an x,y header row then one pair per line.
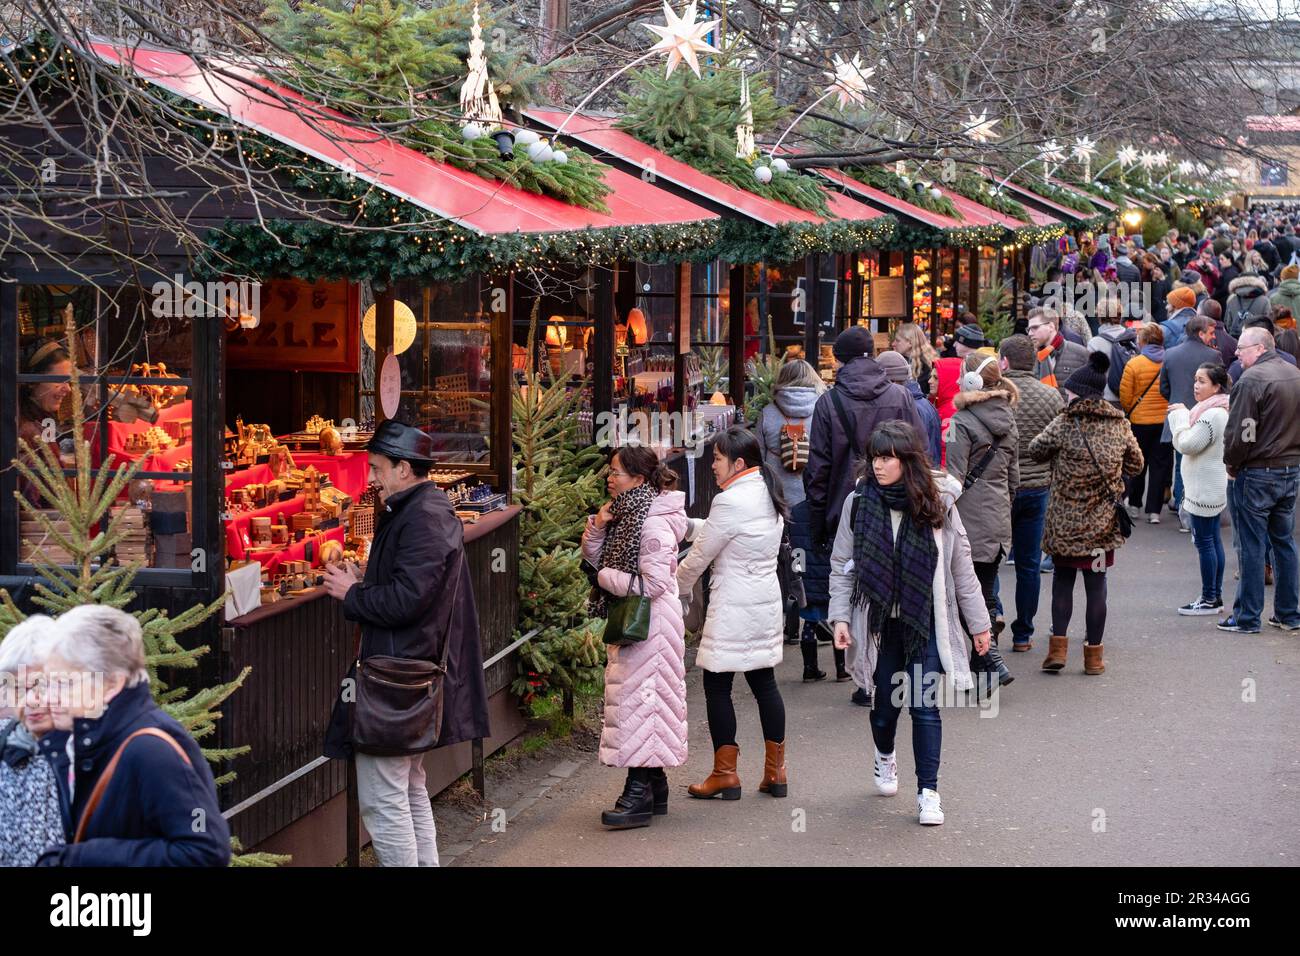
x,y
883,616
744,627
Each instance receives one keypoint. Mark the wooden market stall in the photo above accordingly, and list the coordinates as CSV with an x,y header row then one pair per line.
x,y
252,403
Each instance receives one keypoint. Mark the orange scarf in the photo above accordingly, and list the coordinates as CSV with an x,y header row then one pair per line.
x,y
1050,377
739,474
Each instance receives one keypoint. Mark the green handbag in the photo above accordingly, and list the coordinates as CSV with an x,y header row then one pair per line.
x,y
628,621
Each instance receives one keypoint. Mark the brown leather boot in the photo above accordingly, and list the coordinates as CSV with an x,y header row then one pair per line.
x,y
1056,650
1092,662
723,781
773,769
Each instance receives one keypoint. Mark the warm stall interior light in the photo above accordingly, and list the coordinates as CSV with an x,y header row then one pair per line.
x,y
1132,218
403,326
556,333
636,327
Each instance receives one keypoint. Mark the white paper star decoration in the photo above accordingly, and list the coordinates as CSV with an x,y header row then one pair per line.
x,y
1083,148
1185,168
1051,150
1127,156
981,128
1147,160
1162,159
682,38
849,80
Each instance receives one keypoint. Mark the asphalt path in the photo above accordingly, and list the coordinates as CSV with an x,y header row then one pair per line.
x,y
1183,753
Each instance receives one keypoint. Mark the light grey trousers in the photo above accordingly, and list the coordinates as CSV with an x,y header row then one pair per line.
x,y
396,810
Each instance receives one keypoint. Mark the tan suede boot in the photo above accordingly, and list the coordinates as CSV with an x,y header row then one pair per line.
x,y
774,781
1092,662
1056,650
723,781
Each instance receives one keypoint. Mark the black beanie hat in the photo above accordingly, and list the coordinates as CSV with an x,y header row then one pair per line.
x,y
854,342
1089,381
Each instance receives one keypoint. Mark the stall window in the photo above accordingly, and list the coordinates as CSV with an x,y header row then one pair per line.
x,y
647,328
134,348
565,339
442,334
708,367
924,289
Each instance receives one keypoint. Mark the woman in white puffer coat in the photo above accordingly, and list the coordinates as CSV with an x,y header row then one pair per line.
x,y
1198,436
744,627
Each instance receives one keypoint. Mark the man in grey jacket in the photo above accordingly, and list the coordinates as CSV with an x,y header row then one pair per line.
x,y
1057,358
1177,383
1261,447
1038,405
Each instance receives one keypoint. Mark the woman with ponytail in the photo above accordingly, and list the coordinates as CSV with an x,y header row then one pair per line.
x,y
743,629
632,541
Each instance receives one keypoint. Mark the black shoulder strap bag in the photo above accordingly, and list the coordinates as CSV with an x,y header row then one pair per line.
x,y
1122,517
399,699
845,422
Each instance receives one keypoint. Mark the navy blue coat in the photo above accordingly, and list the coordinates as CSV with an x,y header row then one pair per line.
x,y
816,564
933,431
156,810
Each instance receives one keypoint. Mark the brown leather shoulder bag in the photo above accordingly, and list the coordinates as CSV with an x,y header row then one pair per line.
x,y
101,784
399,699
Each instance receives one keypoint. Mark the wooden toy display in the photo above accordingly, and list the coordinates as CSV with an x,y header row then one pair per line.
x,y
159,396
33,540
149,443
254,443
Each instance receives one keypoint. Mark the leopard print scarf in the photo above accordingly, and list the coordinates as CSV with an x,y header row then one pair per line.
x,y
622,548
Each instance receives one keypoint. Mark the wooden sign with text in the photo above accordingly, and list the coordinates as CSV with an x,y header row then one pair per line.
x,y
304,327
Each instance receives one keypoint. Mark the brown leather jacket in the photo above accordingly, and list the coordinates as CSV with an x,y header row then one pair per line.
x,y
1263,427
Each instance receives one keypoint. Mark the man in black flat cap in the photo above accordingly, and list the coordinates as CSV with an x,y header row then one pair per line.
x,y
413,578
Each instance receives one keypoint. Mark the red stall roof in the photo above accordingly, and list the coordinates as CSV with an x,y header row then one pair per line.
x,y
1099,202
1064,212
599,133
840,178
466,199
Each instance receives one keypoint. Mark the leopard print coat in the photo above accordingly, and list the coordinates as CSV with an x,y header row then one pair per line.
x,y
1081,507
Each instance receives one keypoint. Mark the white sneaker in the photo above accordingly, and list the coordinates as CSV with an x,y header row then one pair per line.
x,y
885,774
927,802
1153,519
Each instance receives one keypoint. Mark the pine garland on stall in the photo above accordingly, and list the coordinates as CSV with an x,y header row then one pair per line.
x,y
95,577
560,481
390,62
694,118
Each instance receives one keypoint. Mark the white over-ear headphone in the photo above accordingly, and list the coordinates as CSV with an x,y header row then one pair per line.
x,y
973,381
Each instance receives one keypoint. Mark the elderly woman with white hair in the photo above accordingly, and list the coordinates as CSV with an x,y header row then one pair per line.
x,y
142,793
33,805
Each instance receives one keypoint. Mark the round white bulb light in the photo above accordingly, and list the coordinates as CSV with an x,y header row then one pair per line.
x,y
471,131
763,174
526,137
538,151
560,156
780,165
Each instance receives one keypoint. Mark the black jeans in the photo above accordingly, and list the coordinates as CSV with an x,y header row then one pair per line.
x,y
1157,469
722,715
923,672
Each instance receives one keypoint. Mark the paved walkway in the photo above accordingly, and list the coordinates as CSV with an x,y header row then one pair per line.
x,y
1159,762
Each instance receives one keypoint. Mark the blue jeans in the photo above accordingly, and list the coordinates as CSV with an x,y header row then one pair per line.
x,y
923,688
1209,547
1028,512
1266,515
1176,497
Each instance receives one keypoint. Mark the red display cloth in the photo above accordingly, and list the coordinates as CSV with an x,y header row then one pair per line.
x,y
298,549
166,460
240,524
349,472
119,431
253,475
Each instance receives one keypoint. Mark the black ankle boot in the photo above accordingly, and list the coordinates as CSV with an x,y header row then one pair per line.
x,y
841,674
810,671
995,658
659,787
635,807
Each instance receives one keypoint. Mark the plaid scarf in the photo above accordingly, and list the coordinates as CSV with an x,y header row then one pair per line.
x,y
622,548
893,572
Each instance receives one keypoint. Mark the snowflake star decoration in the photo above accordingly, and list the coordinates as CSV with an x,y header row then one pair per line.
x,y
1127,156
981,128
682,38
1083,149
849,81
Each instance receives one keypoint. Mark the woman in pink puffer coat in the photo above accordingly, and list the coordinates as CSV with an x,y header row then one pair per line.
x,y
638,532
